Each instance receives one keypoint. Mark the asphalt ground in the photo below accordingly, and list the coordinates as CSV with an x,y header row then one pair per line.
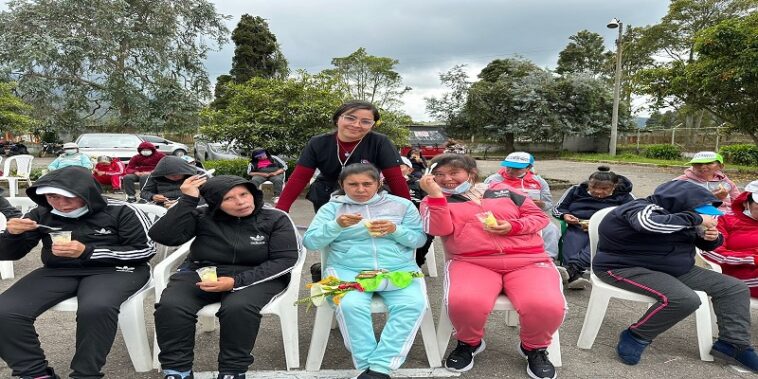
x,y
673,355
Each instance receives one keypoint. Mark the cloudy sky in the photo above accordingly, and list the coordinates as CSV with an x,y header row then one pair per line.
x,y
429,36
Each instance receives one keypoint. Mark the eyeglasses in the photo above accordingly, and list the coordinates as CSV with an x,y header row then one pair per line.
x,y
366,123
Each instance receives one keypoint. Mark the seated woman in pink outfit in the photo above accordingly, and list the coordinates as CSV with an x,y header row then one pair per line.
x,y
707,171
491,236
109,171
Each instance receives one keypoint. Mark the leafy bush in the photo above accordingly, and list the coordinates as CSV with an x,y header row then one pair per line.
x,y
228,167
740,154
663,151
37,173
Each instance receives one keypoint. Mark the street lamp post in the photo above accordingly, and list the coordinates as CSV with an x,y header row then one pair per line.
x,y
613,24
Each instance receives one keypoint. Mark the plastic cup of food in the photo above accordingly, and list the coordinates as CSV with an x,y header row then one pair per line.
x,y
61,236
207,274
487,219
367,224
585,224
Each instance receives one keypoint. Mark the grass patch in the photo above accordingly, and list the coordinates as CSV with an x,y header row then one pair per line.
x,y
634,158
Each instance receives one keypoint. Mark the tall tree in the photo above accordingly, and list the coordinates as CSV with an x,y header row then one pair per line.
x,y
257,53
673,42
724,78
134,64
449,106
585,54
14,113
369,78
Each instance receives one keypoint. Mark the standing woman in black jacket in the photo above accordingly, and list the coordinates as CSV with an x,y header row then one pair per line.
x,y
253,249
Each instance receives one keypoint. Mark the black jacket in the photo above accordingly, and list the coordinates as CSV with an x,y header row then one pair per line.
x,y
578,201
7,209
657,232
253,249
158,184
113,232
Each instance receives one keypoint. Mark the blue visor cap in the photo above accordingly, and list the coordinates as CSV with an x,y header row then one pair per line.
x,y
518,159
708,210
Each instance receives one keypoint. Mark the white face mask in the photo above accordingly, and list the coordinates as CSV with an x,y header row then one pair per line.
x,y
76,213
69,151
146,153
461,188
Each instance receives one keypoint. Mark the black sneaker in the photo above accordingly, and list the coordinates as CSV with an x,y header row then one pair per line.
x,y
131,199
228,375
461,359
316,272
179,376
50,374
538,366
575,280
368,374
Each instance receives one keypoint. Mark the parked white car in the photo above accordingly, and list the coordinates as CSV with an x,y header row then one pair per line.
x,y
124,146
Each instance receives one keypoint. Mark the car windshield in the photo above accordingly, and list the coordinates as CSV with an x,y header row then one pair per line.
x,y
109,141
426,137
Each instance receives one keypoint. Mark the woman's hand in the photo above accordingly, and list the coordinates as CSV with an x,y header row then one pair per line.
x,y
431,187
20,225
502,227
570,219
224,284
382,227
721,193
711,234
191,186
73,249
349,219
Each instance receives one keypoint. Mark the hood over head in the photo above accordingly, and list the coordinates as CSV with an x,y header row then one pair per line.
x,y
74,179
215,188
679,196
146,145
171,165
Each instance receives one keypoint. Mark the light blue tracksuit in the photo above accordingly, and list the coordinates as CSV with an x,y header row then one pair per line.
x,y
351,250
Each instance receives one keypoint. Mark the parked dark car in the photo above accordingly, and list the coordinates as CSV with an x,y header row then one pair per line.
x,y
431,140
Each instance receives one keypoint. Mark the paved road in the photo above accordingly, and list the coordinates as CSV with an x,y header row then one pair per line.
x,y
673,355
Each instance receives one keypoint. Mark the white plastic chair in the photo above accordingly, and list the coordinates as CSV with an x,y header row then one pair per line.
x,y
23,170
603,292
24,204
131,318
431,262
282,305
322,327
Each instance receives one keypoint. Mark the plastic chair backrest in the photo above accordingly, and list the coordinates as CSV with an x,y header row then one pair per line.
x,y
595,221
23,165
3,220
24,204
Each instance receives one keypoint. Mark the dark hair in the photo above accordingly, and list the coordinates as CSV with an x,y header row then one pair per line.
x,y
458,161
355,169
604,174
257,151
352,106
750,200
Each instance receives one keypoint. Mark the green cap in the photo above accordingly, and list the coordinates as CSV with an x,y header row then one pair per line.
x,y
707,157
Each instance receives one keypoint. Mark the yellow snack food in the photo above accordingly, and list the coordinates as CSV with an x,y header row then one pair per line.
x,y
367,224
490,221
209,277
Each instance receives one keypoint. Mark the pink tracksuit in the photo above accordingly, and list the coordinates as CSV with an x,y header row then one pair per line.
x,y
482,265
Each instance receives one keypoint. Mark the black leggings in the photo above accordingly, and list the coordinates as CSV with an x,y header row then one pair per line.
x,y
239,317
99,291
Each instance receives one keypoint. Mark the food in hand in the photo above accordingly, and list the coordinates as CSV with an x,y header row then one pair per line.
x,y
490,221
208,274
367,223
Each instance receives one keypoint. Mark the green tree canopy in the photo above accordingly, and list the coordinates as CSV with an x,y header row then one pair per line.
x,y
14,113
450,106
585,54
369,78
724,78
257,53
132,65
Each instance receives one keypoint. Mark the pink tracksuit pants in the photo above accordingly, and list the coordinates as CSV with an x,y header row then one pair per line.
x,y
531,282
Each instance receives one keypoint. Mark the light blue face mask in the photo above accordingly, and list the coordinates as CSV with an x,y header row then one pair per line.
x,y
73,214
461,188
